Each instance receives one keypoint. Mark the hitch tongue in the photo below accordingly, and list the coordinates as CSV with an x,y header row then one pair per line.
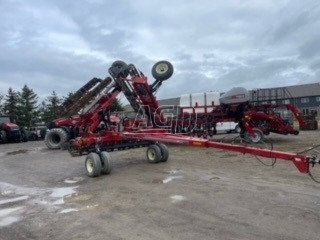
x,y
314,159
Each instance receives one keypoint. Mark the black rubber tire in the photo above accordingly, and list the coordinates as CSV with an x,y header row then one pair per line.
x,y
55,138
106,163
237,129
154,154
24,135
33,137
4,138
119,64
119,69
164,152
162,70
93,165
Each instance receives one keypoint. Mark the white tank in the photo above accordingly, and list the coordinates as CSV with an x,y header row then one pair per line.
x,y
185,100
199,110
187,110
198,98
235,95
212,98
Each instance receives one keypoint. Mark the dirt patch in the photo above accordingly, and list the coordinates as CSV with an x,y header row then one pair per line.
x,y
76,198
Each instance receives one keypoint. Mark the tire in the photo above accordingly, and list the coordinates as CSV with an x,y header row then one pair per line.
x,y
119,64
258,136
164,152
162,70
24,135
106,163
33,137
93,165
154,154
55,138
237,129
118,68
3,136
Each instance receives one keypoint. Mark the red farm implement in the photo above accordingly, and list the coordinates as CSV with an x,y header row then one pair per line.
x,y
254,121
152,131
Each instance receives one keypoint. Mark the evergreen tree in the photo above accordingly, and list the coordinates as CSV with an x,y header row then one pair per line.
x,y
1,104
28,112
10,105
50,108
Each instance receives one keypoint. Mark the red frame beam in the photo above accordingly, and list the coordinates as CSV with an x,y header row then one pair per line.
x,y
300,161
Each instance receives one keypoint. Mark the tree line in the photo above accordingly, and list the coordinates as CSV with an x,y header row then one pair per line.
x,y
24,106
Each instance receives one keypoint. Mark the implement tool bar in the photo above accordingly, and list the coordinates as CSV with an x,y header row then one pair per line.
x,y
157,135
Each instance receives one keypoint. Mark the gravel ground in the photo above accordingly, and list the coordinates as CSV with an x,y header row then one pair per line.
x,y
197,194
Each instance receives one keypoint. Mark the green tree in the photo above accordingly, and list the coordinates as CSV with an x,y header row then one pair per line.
x,y
50,108
27,107
1,104
10,105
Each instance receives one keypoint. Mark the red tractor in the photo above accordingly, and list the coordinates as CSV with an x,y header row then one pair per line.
x,y
10,131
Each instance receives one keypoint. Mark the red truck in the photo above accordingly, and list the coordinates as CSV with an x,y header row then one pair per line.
x,y
10,131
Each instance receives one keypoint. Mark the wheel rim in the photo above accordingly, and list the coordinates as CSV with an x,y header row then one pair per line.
x,y
256,138
162,68
89,165
151,154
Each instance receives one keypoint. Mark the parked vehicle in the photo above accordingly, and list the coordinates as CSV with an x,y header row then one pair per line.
x,y
36,133
10,131
228,127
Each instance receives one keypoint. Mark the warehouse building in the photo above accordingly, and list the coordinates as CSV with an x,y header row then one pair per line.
x,y
306,97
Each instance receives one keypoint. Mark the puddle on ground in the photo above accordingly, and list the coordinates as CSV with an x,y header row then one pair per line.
x,y
9,216
67,210
61,192
11,200
170,178
177,198
73,180
22,199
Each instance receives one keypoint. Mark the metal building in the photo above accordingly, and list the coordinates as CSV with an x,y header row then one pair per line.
x,y
306,97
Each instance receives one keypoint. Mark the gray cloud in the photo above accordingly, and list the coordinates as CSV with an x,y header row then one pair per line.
x,y
214,45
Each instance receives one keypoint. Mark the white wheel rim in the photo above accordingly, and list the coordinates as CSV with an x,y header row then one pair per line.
x,y
151,154
256,137
89,165
161,68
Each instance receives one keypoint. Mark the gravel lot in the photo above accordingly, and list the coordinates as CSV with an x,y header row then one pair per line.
x,y
197,194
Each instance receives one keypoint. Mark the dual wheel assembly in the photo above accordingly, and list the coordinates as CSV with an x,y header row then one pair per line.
x,y
101,163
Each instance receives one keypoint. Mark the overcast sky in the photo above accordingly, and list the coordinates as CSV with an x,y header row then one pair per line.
x,y
214,45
